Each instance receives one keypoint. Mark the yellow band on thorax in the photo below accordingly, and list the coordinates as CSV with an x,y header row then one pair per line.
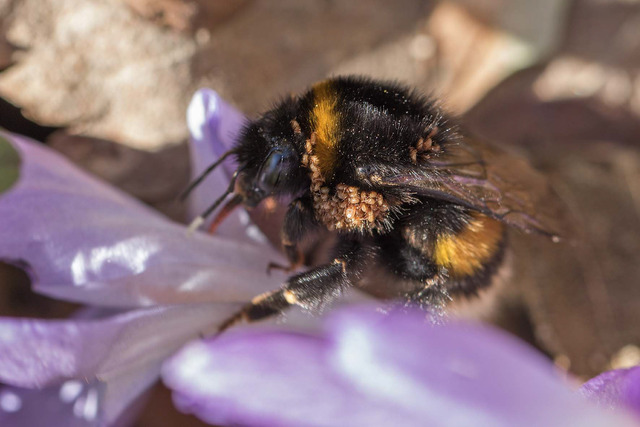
x,y
325,122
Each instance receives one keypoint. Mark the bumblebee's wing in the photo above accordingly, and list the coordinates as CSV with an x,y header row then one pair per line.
x,y
475,174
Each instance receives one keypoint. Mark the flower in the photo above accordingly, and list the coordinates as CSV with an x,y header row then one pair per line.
x,y
368,368
84,241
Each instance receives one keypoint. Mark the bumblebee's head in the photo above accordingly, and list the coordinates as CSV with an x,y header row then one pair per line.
x,y
268,164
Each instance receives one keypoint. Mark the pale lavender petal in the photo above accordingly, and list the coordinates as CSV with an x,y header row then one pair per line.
x,y
87,242
37,353
49,407
619,388
111,360
373,369
74,403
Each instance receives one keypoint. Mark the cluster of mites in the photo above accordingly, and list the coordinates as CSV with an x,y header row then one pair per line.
x,y
424,147
349,207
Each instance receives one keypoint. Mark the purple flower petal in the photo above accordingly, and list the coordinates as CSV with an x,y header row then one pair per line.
x,y
84,241
287,383
370,369
619,388
214,126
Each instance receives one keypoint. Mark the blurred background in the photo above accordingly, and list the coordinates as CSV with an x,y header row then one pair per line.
x,y
106,83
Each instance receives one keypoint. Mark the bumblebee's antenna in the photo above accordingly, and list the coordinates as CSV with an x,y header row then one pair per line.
x,y
204,174
198,221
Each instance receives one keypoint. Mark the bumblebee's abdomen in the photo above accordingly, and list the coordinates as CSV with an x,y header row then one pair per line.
x,y
461,247
465,252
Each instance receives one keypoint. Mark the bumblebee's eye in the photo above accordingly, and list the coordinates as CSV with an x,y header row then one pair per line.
x,y
276,167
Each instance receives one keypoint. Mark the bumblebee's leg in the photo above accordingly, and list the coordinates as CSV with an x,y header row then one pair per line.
x,y
407,255
310,289
298,221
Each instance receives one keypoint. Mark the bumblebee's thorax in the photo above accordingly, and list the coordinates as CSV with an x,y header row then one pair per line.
x,y
339,206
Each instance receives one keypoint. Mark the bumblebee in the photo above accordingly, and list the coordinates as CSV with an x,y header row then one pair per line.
x,y
401,186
